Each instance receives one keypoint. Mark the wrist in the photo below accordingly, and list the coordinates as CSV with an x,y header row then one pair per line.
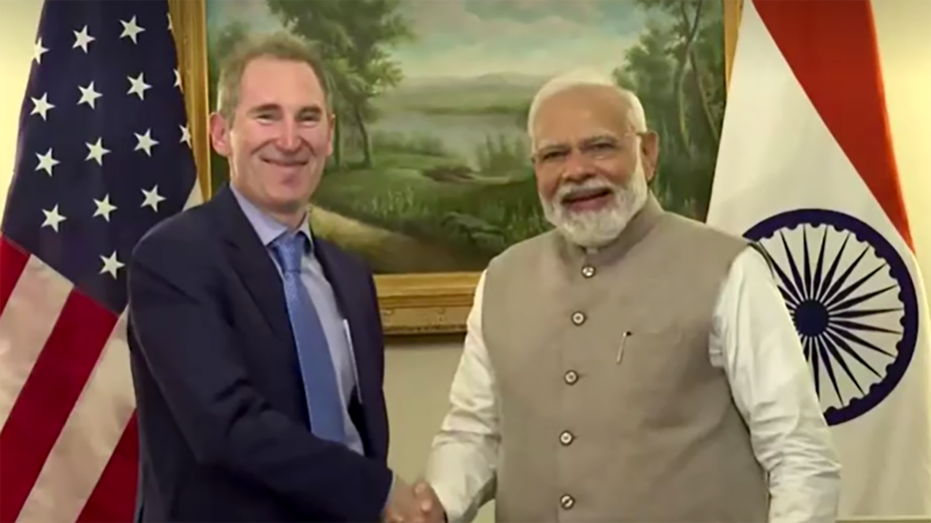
x,y
384,508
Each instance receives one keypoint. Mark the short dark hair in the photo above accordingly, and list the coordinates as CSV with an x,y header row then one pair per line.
x,y
280,45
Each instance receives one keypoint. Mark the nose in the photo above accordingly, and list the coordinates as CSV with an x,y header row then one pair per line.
x,y
289,139
576,167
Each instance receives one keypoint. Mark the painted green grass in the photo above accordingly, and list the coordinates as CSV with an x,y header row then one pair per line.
x,y
471,214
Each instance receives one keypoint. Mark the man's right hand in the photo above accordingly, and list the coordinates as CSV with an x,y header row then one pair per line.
x,y
430,504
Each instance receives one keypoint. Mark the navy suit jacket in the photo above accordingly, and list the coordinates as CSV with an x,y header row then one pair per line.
x,y
223,421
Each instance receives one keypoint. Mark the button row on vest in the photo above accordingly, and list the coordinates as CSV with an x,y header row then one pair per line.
x,y
566,501
566,438
588,271
578,318
571,377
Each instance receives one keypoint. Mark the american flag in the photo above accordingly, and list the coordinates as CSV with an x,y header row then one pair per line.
x,y
104,153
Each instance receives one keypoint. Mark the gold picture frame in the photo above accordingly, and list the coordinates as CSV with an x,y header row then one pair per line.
x,y
411,304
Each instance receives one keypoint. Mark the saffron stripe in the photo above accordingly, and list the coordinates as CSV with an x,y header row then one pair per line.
x,y
832,49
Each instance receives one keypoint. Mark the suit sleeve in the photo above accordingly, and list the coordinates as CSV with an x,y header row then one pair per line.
x,y
188,346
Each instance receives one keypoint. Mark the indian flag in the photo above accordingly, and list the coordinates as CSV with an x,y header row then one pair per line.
x,y
806,168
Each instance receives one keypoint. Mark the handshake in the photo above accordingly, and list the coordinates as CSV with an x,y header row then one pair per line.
x,y
413,504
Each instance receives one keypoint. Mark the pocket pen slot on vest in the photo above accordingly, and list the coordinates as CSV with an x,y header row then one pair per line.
x,y
620,349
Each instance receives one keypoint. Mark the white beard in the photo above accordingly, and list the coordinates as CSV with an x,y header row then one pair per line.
x,y
592,229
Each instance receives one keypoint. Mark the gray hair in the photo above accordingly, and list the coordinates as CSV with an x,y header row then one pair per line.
x,y
280,45
582,78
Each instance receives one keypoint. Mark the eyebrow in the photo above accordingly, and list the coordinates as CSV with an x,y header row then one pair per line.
x,y
585,142
264,108
600,138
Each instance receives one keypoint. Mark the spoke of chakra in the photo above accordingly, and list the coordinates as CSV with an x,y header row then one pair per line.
x,y
806,345
851,337
861,313
788,290
806,264
829,277
832,353
849,289
836,341
798,285
815,365
828,354
857,326
819,267
847,307
836,286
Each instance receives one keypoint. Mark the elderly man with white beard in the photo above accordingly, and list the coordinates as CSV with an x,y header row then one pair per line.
x,y
631,364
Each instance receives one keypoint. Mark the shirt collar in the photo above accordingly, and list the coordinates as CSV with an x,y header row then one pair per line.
x,y
267,228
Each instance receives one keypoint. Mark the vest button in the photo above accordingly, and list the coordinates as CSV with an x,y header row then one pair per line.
x,y
566,501
566,437
588,271
578,318
571,377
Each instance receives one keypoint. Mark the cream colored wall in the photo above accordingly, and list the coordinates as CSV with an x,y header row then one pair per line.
x,y
418,375
417,378
17,34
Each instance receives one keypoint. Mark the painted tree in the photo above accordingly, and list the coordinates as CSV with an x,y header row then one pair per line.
x,y
677,70
354,38
222,44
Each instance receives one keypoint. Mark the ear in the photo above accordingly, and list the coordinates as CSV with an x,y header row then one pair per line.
x,y
220,134
649,153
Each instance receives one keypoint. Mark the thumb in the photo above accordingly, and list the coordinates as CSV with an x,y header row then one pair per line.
x,y
421,490
421,486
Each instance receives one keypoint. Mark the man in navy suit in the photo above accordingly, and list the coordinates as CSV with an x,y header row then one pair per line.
x,y
256,348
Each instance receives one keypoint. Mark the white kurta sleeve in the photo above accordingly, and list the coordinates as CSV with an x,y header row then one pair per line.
x,y
773,389
461,467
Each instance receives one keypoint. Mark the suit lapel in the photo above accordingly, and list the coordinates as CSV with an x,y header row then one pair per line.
x,y
345,293
253,265
347,296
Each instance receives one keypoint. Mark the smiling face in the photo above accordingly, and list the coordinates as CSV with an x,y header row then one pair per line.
x,y
592,163
278,137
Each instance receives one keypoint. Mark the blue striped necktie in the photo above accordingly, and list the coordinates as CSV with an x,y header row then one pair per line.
x,y
320,385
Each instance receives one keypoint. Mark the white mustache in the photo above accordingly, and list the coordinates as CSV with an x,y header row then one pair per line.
x,y
571,189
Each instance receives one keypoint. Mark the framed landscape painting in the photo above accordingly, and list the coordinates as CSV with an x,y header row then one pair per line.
x,y
430,176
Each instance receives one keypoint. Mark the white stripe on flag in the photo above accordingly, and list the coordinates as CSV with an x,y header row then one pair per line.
x,y
25,325
88,438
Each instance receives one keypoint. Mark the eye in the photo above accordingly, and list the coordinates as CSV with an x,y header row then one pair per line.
x,y
309,118
552,155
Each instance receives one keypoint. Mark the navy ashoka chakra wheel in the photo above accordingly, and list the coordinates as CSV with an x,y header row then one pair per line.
x,y
852,300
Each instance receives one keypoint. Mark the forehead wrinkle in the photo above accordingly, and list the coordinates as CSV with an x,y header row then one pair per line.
x,y
595,134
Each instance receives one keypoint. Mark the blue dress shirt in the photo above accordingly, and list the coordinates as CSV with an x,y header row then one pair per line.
x,y
335,325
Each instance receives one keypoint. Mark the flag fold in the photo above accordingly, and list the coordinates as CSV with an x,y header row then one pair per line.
x,y
103,154
806,168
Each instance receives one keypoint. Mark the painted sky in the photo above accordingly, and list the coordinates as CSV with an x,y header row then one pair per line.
x,y
465,38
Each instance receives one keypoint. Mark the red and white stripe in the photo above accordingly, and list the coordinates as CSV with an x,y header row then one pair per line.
x,y
68,436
